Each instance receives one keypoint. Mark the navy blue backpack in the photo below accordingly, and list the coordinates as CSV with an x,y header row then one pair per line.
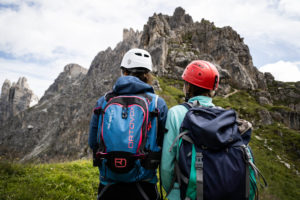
x,y
127,137
215,161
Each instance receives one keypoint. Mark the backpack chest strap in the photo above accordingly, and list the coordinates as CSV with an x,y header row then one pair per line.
x,y
199,175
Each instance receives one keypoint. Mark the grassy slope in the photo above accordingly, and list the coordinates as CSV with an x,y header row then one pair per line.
x,y
79,180
268,142
73,180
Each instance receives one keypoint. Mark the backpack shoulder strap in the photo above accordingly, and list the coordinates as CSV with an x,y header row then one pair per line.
x,y
247,156
186,105
155,111
190,105
109,95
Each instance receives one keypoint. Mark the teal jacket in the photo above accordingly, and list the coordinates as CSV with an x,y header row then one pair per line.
x,y
174,119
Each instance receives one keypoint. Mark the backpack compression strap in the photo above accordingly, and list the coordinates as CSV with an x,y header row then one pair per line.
x,y
198,167
249,163
189,105
199,175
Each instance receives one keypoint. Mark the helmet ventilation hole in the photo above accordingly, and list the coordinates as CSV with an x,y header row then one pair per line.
x,y
145,55
138,54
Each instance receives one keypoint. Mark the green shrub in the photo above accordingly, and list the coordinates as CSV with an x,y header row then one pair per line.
x,y
171,91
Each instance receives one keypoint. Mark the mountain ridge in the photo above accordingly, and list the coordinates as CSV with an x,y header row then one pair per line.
x,y
56,129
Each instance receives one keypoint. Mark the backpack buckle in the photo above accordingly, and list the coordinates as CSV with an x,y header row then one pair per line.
x,y
149,126
199,160
124,113
97,111
154,113
246,153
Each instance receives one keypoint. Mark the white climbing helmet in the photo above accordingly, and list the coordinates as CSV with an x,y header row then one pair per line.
x,y
135,58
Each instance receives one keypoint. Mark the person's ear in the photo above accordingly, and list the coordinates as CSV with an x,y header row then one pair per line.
x,y
124,73
212,93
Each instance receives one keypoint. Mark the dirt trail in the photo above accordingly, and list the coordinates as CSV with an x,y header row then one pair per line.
x,y
232,93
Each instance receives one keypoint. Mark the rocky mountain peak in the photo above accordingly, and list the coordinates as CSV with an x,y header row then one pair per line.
x,y
74,70
174,41
22,83
60,121
15,97
71,76
5,87
179,12
130,34
179,18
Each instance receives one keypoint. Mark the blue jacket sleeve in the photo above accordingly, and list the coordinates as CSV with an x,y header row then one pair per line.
x,y
163,111
94,126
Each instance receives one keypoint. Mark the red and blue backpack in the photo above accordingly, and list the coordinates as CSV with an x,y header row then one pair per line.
x,y
127,137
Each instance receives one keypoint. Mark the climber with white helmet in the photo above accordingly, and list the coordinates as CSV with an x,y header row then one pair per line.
x,y
126,132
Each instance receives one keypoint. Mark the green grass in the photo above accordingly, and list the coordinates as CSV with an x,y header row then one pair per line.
x,y
242,102
170,92
79,180
283,183
63,181
72,180
276,140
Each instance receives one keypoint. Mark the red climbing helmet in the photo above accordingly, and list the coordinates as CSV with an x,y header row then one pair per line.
x,y
202,74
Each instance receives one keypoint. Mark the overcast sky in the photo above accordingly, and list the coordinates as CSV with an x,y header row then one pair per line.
x,y
38,37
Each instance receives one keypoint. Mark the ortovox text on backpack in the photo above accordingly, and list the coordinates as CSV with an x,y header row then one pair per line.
x,y
127,136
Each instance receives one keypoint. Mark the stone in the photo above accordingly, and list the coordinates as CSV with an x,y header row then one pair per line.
x,y
277,116
263,101
269,78
265,117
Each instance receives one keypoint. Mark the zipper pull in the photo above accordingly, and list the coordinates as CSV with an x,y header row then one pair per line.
x,y
124,112
149,126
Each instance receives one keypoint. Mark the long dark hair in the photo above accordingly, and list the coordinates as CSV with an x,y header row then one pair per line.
x,y
139,72
195,91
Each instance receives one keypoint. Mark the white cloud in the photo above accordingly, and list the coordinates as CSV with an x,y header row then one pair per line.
x,y
290,7
283,71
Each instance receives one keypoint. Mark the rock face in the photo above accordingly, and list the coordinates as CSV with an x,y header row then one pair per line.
x,y
57,128
71,75
287,94
53,123
15,97
176,40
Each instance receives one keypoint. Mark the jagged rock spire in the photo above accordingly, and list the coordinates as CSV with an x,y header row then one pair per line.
x,y
15,97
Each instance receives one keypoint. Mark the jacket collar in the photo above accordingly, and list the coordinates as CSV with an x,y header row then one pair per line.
x,y
203,100
131,85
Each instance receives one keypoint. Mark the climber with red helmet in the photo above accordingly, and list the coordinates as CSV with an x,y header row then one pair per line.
x,y
201,79
194,164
